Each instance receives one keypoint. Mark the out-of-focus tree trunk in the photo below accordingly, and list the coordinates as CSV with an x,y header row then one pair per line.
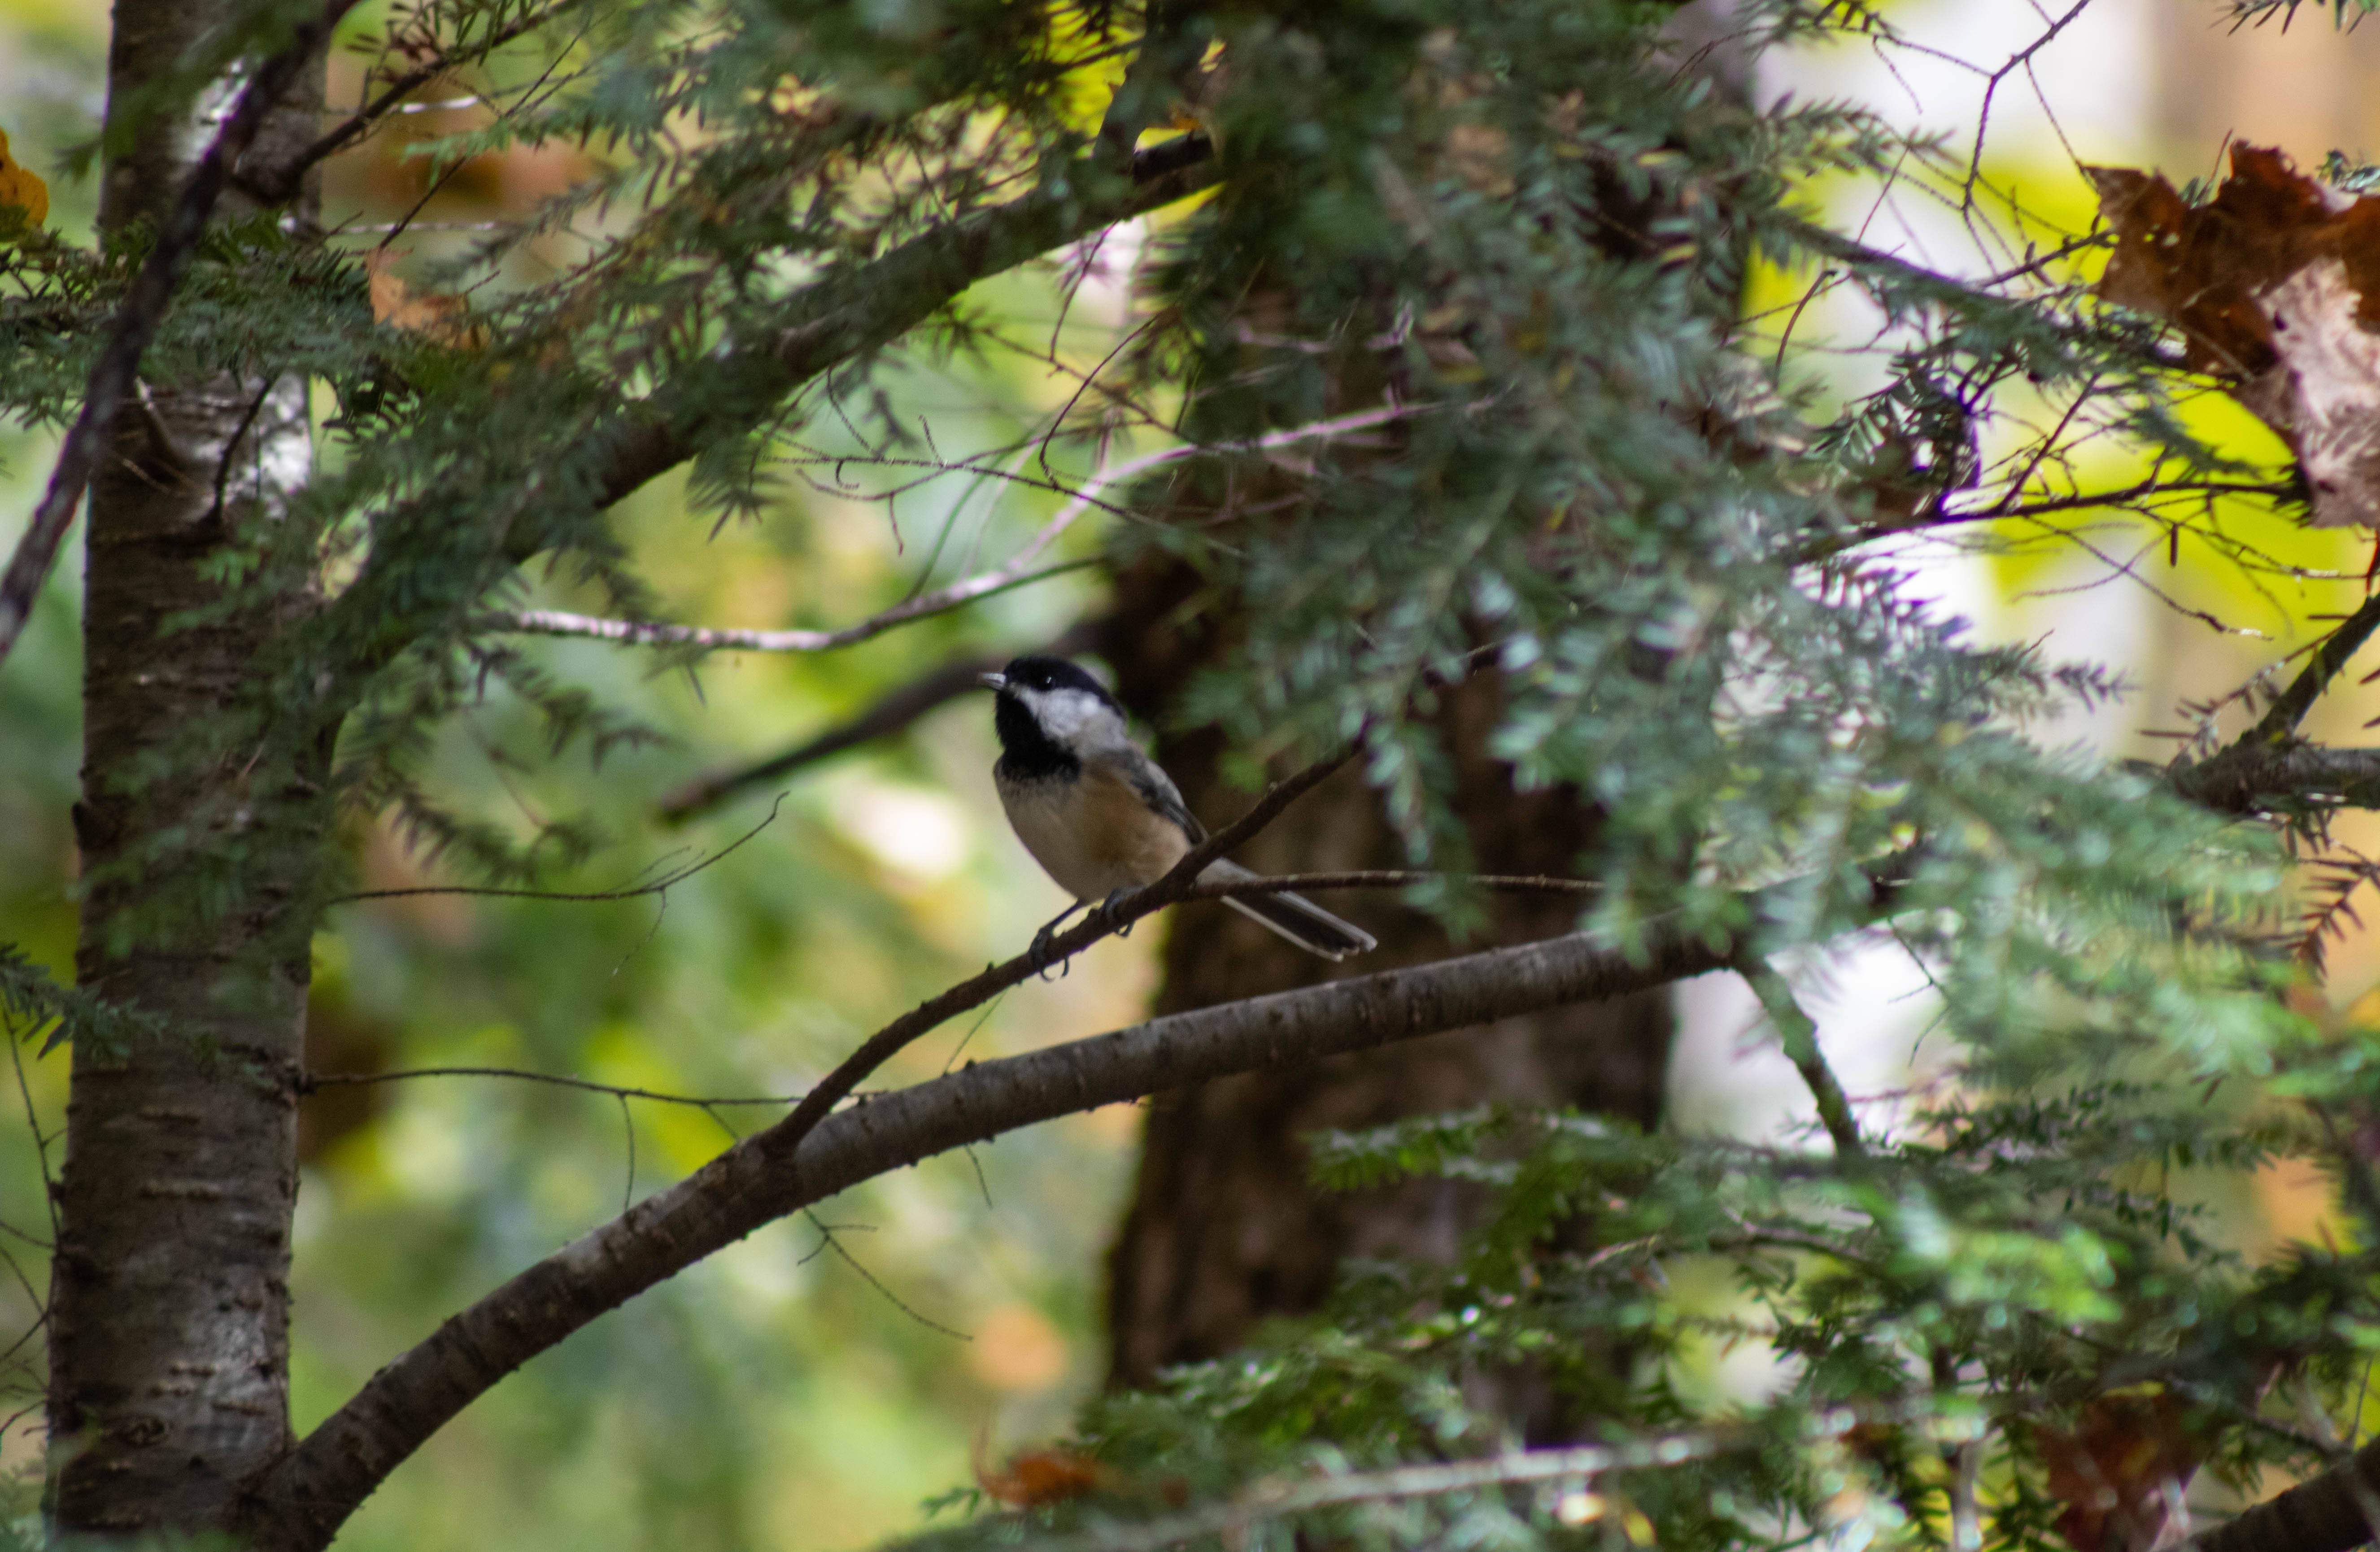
x,y
1224,1230
169,1300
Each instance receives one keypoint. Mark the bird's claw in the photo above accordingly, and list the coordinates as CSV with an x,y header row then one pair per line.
x,y
1108,908
1036,956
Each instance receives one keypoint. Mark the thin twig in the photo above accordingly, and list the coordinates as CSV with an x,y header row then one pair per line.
x,y
314,1081
1016,572
32,1297
34,1240
1798,1034
1385,877
894,712
2035,265
659,886
828,1242
8,1354
231,447
628,1129
40,1144
650,633
2129,498
117,368
1991,84
973,1030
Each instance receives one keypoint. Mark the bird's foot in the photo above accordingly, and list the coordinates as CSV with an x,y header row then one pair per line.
x,y
1037,957
1108,908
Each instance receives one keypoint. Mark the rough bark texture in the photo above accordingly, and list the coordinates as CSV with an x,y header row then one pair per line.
x,y
2336,1510
1223,1232
169,1342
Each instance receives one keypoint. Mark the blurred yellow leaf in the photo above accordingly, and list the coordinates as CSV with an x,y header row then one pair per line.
x,y
1085,90
21,189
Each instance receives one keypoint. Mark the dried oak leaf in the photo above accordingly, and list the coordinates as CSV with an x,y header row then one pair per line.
x,y
2122,1471
23,196
2275,285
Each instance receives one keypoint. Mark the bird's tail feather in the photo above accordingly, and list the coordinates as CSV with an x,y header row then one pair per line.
x,y
1294,916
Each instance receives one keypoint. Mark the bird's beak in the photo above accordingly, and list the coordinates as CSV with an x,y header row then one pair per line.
x,y
992,681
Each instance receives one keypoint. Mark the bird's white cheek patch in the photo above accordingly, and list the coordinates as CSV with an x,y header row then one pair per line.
x,y
1065,714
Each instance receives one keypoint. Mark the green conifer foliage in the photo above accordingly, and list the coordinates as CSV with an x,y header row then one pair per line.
x,y
1503,248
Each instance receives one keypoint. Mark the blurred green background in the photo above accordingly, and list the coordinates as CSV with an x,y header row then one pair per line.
x,y
787,1392
796,1392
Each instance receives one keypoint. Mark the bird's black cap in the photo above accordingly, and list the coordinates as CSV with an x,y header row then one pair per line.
x,y
1050,673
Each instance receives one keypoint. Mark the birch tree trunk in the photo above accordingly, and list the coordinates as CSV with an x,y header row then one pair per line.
x,y
169,1299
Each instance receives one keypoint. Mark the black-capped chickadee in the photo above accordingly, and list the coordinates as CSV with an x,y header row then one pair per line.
x,y
1101,817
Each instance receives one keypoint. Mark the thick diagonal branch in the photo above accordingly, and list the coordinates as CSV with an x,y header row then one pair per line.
x,y
298,1505
2326,1514
2255,776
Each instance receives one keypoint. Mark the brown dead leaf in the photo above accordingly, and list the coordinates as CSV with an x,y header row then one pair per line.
x,y
21,190
1034,1477
435,314
2275,285
2122,1471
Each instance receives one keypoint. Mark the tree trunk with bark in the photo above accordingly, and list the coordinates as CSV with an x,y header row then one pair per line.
x,y
1224,1231
169,1299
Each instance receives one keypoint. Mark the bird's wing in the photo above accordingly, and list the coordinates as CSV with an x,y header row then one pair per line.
x,y
1157,789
